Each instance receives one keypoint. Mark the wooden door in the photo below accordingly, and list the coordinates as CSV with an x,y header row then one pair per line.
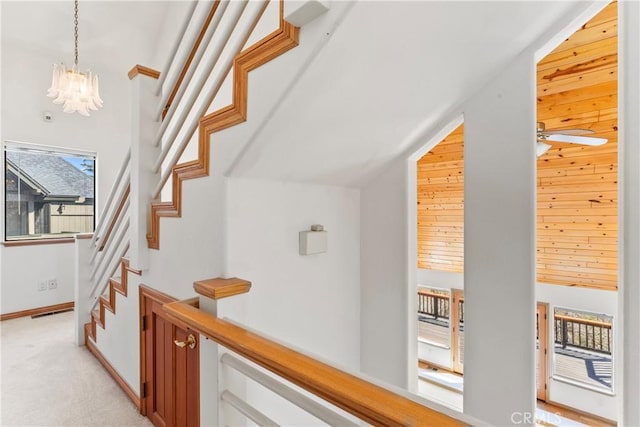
x,y
541,351
169,373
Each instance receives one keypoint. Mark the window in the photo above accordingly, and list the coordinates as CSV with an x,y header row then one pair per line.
x,y
433,316
583,347
49,192
441,322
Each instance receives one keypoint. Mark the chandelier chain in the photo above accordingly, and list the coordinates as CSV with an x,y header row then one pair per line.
x,y
75,31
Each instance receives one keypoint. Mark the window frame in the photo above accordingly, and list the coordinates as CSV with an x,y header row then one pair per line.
x,y
611,345
431,289
17,146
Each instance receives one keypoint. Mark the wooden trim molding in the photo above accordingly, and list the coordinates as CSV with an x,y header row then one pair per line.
x,y
263,51
145,71
221,288
116,285
189,59
83,236
156,295
367,401
542,376
65,306
91,346
38,242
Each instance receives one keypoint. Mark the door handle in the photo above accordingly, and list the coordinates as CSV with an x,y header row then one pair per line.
x,y
190,342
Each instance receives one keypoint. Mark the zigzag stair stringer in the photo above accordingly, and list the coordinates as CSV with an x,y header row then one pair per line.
x,y
117,285
263,51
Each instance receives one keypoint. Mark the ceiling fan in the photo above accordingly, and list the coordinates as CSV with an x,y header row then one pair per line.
x,y
573,136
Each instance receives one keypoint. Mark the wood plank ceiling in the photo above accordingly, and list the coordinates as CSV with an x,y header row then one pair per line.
x,y
577,200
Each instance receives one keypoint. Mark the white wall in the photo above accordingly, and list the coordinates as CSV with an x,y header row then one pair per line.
x,y
308,302
384,277
24,267
122,348
176,12
629,162
444,396
311,301
499,250
192,247
25,79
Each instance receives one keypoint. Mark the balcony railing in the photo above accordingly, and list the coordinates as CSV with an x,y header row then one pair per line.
x,y
433,304
586,334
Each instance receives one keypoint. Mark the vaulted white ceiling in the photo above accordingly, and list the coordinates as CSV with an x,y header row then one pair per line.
x,y
389,70
380,72
113,35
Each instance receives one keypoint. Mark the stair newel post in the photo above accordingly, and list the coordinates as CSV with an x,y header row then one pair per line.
x,y
209,371
82,285
143,155
215,377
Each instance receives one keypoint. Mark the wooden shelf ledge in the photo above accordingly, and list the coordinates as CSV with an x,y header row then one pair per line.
x,y
221,288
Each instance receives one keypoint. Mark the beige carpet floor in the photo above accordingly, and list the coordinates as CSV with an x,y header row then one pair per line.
x,y
46,380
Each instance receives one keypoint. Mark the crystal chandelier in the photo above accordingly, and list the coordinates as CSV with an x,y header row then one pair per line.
x,y
77,91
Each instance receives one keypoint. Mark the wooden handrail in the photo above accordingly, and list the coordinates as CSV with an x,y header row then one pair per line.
x,y
594,335
189,59
367,401
433,304
123,200
110,200
432,294
583,321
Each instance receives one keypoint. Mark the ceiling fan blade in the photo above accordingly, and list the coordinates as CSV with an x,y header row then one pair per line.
x,y
541,148
567,132
575,139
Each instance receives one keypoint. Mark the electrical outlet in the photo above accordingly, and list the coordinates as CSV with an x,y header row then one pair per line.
x,y
42,286
53,284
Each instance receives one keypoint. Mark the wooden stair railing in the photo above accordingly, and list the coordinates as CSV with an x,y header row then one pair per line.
x,y
369,402
103,241
263,51
192,54
118,285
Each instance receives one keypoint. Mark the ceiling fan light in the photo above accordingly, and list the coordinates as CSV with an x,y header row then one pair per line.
x,y
541,148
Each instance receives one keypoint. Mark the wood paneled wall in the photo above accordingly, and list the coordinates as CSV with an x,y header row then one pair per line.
x,y
441,205
577,185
